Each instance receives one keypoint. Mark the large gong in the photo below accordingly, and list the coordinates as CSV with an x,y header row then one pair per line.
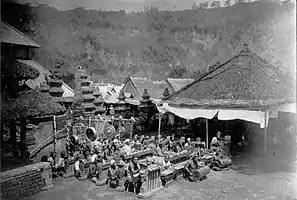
x,y
109,131
91,134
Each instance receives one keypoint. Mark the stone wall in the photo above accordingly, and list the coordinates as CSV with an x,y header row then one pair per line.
x,y
25,181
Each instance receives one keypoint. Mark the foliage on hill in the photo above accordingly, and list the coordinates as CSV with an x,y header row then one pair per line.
x,y
114,45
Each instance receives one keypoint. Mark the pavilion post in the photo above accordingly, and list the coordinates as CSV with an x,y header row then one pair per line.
x,y
159,127
265,134
206,126
54,132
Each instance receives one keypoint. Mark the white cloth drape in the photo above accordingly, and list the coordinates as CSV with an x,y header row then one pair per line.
x,y
188,113
247,115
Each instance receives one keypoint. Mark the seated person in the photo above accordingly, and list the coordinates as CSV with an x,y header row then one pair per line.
x,y
192,169
134,174
60,167
52,159
112,175
158,151
166,163
219,162
79,165
127,148
188,143
122,174
95,172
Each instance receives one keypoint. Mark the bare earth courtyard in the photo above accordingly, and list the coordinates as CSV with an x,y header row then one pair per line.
x,y
246,180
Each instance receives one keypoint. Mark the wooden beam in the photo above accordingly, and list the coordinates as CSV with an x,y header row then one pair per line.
x,y
206,126
54,131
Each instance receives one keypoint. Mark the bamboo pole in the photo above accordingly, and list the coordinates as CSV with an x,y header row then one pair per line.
x,y
265,134
159,127
54,130
206,126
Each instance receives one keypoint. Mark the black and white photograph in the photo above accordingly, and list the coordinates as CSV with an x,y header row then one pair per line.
x,y
148,99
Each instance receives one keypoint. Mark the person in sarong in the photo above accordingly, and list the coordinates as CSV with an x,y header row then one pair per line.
x,y
134,174
52,159
193,173
60,167
122,174
112,175
220,162
166,163
95,172
79,165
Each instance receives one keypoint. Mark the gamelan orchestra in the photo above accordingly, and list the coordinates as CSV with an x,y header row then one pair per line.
x,y
137,163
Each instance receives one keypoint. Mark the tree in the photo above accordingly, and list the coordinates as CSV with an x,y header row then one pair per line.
x,y
177,72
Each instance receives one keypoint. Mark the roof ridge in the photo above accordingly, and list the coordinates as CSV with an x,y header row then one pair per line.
x,y
179,78
19,32
139,78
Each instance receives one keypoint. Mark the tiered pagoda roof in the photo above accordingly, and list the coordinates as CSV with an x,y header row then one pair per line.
x,y
55,83
87,93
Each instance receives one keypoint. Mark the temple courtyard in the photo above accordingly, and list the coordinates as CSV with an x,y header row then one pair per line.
x,y
249,178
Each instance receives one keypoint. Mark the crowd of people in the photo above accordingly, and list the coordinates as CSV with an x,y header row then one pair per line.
x,y
126,174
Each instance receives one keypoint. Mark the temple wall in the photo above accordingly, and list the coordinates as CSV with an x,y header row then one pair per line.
x,y
25,181
43,131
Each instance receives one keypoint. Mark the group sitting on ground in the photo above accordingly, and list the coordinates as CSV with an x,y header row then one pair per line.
x,y
126,176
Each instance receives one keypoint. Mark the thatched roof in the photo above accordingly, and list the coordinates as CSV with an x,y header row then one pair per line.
x,y
89,105
18,70
87,89
246,80
11,35
178,83
155,88
30,104
56,90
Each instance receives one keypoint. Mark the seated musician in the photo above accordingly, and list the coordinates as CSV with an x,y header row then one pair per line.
x,y
158,151
127,148
134,174
79,165
112,175
166,163
60,167
96,173
52,159
188,143
122,173
138,146
192,167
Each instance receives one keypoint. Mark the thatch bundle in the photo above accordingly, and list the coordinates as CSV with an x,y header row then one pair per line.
x,y
30,104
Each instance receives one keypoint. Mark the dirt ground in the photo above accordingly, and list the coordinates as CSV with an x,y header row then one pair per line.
x,y
248,179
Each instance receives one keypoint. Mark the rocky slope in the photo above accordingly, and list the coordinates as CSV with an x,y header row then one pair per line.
x,y
114,45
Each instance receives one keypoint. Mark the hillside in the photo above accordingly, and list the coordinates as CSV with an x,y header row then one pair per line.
x,y
114,45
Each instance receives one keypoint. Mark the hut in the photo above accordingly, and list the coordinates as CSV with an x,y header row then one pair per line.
x,y
245,87
136,85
